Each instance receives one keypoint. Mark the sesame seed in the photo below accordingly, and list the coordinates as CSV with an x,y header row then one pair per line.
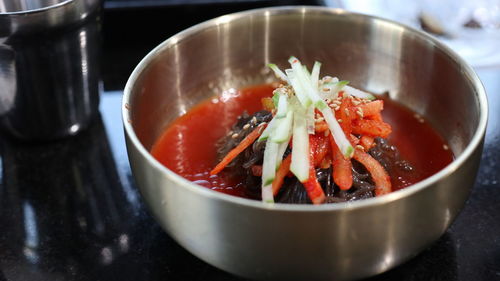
x,y
246,126
360,147
230,133
337,108
254,120
445,147
339,120
355,102
234,136
359,112
319,119
346,111
327,133
327,79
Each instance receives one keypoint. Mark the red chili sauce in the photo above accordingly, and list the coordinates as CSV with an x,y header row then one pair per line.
x,y
188,146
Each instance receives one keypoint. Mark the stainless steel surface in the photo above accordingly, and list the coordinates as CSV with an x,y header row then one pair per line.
x,y
18,17
24,5
294,242
49,70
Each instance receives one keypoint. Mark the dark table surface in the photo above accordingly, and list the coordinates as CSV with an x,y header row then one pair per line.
x,y
70,210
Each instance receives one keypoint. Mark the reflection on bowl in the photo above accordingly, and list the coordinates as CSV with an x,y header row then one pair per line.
x,y
337,241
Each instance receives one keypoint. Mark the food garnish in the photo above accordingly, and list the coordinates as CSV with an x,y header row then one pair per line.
x,y
316,123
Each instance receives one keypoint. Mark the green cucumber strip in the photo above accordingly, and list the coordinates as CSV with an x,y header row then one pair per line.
x,y
267,194
305,81
306,71
281,151
333,87
321,105
300,151
338,135
284,129
280,74
268,130
310,120
315,74
358,93
342,83
269,163
282,106
300,93
276,97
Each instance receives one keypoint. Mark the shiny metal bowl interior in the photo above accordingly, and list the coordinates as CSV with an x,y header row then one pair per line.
x,y
337,241
9,6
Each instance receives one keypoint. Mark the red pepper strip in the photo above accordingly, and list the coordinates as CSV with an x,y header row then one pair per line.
x,y
376,117
367,142
342,168
379,175
320,127
312,186
322,149
371,109
257,170
281,174
246,142
371,128
326,162
353,139
344,114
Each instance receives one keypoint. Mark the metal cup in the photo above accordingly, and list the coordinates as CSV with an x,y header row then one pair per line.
x,y
49,71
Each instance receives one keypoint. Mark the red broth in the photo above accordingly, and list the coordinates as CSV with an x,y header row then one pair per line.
x,y
188,146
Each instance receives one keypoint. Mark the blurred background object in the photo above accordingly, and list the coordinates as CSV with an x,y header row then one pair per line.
x,y
49,67
471,28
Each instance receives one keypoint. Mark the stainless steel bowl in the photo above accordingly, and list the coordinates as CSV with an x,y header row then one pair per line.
x,y
294,242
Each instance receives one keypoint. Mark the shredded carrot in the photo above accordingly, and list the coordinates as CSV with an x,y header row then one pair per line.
x,y
267,104
281,173
312,186
378,173
371,128
247,141
342,168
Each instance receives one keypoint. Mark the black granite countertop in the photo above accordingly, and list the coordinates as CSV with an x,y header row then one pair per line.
x,y
70,210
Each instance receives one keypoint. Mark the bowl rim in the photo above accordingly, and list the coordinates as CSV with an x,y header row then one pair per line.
x,y
181,182
39,9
